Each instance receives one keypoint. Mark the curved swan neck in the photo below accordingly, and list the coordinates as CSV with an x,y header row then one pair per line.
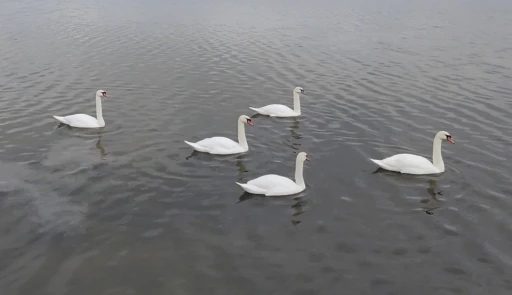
x,y
299,169
99,111
242,140
296,102
437,157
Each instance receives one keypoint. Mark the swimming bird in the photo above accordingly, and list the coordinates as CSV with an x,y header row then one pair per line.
x,y
279,110
413,164
276,185
86,121
222,145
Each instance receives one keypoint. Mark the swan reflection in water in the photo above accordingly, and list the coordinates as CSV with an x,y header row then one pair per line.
x,y
294,140
428,205
432,203
299,208
298,205
193,154
77,151
241,167
238,157
99,146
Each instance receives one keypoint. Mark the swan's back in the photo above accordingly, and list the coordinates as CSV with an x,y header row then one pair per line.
x,y
272,182
278,109
218,142
408,163
82,121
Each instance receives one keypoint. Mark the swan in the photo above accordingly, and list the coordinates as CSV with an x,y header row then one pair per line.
x,y
413,164
86,121
224,146
275,185
279,110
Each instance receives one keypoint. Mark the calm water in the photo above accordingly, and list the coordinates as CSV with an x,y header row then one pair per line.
x,y
131,210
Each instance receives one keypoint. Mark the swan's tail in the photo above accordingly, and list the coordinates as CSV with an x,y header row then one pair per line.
x,y
197,147
381,164
61,119
259,111
251,188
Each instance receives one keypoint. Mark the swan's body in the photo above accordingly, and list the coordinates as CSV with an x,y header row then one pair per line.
x,y
279,110
218,145
86,121
222,145
408,163
276,185
80,121
413,164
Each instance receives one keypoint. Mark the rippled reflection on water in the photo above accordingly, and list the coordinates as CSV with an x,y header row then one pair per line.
x,y
131,209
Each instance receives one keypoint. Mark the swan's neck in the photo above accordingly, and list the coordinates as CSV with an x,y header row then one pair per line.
x,y
99,112
299,177
241,136
437,157
296,102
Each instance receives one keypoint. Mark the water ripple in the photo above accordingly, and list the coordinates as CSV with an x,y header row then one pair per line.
x,y
132,198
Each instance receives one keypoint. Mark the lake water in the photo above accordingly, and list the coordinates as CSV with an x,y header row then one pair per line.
x,y
129,209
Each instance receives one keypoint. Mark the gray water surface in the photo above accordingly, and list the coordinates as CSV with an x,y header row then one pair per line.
x,y
130,209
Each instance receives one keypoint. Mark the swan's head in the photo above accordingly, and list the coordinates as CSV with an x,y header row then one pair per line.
x,y
101,93
443,135
245,119
299,90
302,156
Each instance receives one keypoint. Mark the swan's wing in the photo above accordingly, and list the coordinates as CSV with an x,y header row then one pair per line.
x,y
252,189
273,182
408,163
277,109
81,120
217,143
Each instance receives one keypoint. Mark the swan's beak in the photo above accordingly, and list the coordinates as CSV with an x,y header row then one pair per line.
x,y
451,140
307,158
250,122
106,95
304,92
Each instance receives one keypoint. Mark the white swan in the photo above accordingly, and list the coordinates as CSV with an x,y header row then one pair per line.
x,y
413,164
224,146
279,110
275,185
86,121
